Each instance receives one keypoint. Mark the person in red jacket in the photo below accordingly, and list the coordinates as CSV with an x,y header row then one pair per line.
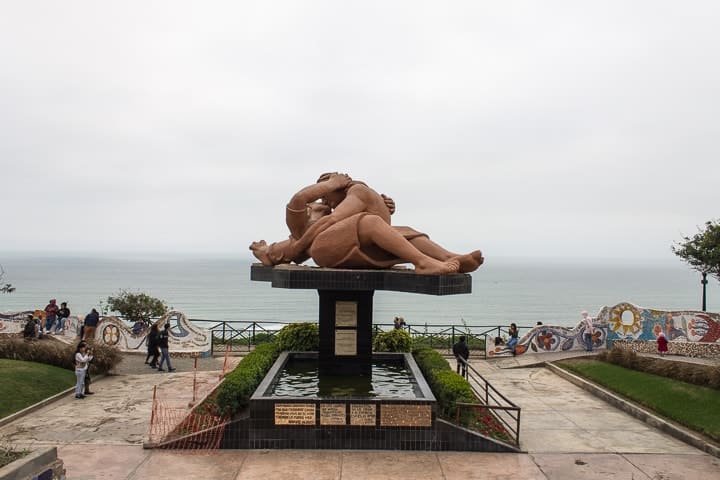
x,y
662,344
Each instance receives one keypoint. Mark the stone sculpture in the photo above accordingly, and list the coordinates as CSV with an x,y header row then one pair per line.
x,y
343,223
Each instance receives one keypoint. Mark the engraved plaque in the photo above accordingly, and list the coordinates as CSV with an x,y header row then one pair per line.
x,y
294,414
346,314
332,414
406,415
346,342
362,414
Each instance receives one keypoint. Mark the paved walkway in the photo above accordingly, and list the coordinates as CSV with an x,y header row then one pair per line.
x,y
568,435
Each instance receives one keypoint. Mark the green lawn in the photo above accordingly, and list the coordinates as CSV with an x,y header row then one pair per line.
x,y
693,406
24,383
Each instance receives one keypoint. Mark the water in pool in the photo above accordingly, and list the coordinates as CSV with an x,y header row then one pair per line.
x,y
299,378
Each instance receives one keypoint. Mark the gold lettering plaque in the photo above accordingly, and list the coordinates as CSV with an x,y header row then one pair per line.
x,y
332,414
405,416
294,414
346,342
362,414
346,314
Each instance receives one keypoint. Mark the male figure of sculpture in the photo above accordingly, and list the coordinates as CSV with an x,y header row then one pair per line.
x,y
351,228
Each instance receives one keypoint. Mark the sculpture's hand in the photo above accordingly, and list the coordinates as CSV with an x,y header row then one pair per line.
x,y
339,180
389,203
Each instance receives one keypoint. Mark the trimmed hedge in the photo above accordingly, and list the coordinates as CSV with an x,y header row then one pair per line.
x,y
697,374
299,337
392,341
57,353
235,392
448,387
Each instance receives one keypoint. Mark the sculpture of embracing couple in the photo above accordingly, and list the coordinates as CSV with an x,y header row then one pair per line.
x,y
343,223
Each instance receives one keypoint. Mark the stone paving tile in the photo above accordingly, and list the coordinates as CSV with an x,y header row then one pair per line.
x,y
595,466
566,418
677,467
292,465
96,462
376,465
176,465
482,466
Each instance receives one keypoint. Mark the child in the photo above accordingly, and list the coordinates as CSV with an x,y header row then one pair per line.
x,y
662,344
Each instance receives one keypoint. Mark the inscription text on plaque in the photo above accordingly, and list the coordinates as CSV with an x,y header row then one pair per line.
x,y
332,414
345,342
294,414
362,414
346,314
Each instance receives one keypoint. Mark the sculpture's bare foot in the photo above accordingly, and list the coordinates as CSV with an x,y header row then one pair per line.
x,y
436,267
260,250
470,261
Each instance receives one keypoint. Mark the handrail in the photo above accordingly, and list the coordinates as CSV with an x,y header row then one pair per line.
x,y
503,411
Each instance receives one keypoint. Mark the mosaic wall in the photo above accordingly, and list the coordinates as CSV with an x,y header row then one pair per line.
x,y
548,338
685,349
626,322
630,322
185,337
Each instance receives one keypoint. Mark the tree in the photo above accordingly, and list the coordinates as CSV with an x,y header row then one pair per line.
x,y
6,288
702,252
136,307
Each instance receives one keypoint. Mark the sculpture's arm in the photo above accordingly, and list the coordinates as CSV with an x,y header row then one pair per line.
x,y
296,222
350,206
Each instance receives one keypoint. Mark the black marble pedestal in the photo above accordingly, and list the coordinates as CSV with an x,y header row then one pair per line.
x,y
346,305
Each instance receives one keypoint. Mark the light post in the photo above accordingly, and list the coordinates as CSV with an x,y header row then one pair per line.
x,y
704,283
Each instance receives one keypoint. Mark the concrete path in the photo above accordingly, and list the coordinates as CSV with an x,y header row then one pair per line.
x,y
568,435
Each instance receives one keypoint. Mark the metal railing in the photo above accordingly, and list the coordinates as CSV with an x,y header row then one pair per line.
x,y
495,415
243,336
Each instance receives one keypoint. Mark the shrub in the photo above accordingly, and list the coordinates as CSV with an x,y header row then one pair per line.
x,y
58,354
448,387
697,374
239,385
137,307
299,337
392,341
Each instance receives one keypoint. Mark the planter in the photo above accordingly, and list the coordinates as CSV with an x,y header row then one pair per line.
x,y
41,464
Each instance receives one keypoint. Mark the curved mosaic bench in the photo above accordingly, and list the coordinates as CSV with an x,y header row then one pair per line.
x,y
550,338
646,324
631,327
185,337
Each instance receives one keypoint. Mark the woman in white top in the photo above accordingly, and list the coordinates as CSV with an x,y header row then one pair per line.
x,y
82,360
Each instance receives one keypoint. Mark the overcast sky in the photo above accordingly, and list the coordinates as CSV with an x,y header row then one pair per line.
x,y
533,129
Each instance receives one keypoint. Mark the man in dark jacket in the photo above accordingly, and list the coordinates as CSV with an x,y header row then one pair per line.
x,y
91,322
461,352
153,346
164,349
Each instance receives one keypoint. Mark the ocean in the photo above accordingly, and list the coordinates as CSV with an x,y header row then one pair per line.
x,y
504,290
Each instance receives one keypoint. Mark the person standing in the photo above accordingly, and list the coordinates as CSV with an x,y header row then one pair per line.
x,y
51,311
153,342
62,317
82,360
164,349
589,330
662,344
462,353
91,321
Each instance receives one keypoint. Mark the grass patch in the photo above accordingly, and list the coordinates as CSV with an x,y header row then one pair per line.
x,y
26,383
694,406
